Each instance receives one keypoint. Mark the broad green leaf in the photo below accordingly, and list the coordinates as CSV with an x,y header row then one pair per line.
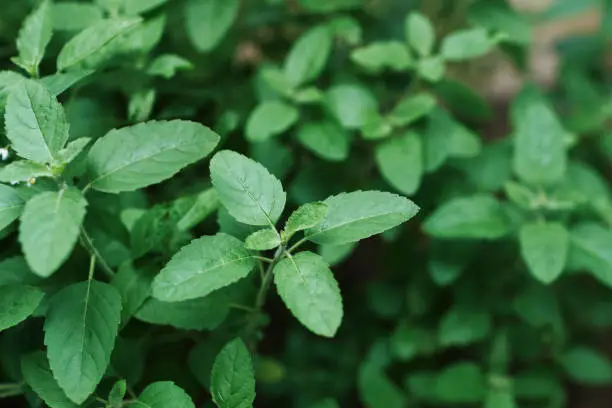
x,y
205,203
35,122
72,150
431,68
587,366
544,247
133,7
74,16
411,109
34,36
80,331
461,383
11,205
167,65
50,227
381,55
8,81
420,33
134,157
163,394
358,215
23,170
310,291
449,138
538,306
350,104
269,119
376,390
263,240
499,17
37,374
58,83
208,21
539,145
325,139
462,326
376,127
91,40
474,217
400,161
467,44
308,56
249,192
117,393
232,382
134,286
17,303
306,216
205,265
591,250
335,254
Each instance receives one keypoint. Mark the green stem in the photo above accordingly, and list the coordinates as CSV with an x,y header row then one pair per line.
x,y
11,390
297,244
90,247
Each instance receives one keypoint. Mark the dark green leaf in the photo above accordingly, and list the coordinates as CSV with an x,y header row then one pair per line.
x,y
232,379
17,303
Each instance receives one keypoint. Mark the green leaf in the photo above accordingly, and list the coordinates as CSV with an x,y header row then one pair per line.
x,y
117,393
591,250
72,150
208,21
308,56
80,331
411,109
269,119
37,374
500,398
400,161
498,16
134,286
23,170
249,192
163,394
376,390
148,153
34,36
460,383
350,104
358,215
35,122
11,205
310,291
329,6
73,16
462,326
205,265
205,203
232,383
335,254
466,44
431,68
544,247
587,366
475,217
420,33
17,303
50,227
306,216
539,146
58,83
133,7
150,231
381,55
325,139
263,240
91,40
167,65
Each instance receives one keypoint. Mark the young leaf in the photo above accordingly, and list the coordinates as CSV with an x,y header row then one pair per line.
x,y
431,68
325,139
544,247
350,104
249,192
117,393
72,150
591,250
206,203
23,170
205,265
306,216
400,161
466,44
208,21
308,56
35,122
34,36
80,331
58,83
420,33
17,303
232,382
310,291
359,215
167,65
50,227
381,55
268,119
11,206
148,153
163,394
37,374
263,240
499,16
412,109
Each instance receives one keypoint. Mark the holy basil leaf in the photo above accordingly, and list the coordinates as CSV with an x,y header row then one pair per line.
x,y
411,109
17,303
462,326
23,170
34,37
205,265
80,331
381,55
208,21
73,16
50,227
376,390
359,215
466,44
308,56
249,192
544,247
325,139
11,206
499,16
350,104
117,393
591,250
310,291
587,366
269,119
37,374
461,383
400,161
134,286
232,382
420,33
306,216
148,153
263,240
133,7
58,83
163,394
167,65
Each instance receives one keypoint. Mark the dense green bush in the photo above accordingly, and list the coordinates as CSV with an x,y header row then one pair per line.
x,y
178,177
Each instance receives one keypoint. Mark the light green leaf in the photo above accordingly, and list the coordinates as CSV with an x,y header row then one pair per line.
x,y
249,192
460,383
72,150
8,81
208,21
34,36
420,33
37,374
269,119
308,56
347,29
50,227
80,331
587,366
462,326
466,44
149,231
325,139
11,206
411,109
591,250
205,203
134,286
263,240
133,7
381,55
544,247
17,303
73,16
58,83
306,216
376,127
148,153
163,394
335,254
500,398
232,382
167,65
359,215
23,170
117,393
91,40
205,265
431,68
400,161
473,217
310,291
350,104
35,122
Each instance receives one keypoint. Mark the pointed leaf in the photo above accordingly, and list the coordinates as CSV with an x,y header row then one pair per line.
x,y
58,83
420,33
467,44
17,303
72,150
208,21
74,16
544,247
325,139
23,170
163,394
117,393
306,216
263,240
587,366
11,206
381,55
350,104
591,250
134,286
232,383
37,374
268,119
412,108
400,161
34,36
308,55
461,383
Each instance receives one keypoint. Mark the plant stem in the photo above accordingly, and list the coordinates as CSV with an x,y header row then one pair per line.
x,y
89,246
11,390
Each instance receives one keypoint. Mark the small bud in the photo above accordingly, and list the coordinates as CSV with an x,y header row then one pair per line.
x,y
31,181
4,153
